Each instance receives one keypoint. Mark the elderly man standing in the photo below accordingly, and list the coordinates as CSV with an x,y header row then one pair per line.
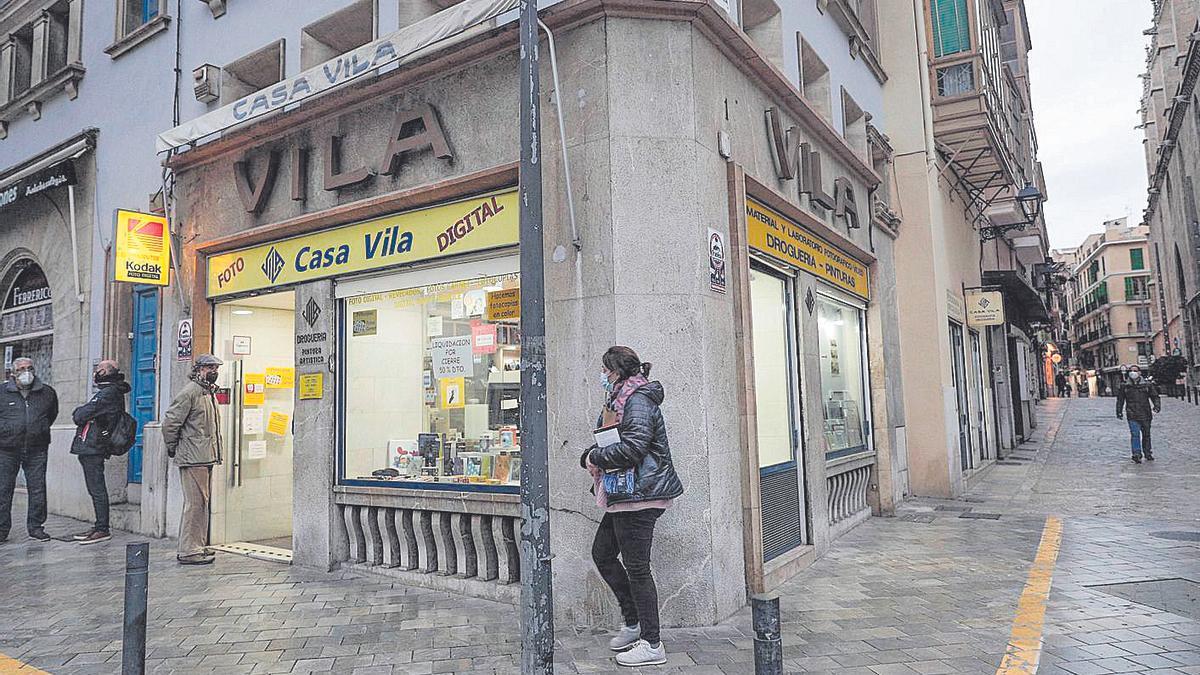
x,y
193,439
28,407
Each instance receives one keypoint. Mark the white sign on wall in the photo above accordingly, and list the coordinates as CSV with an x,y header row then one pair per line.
x,y
452,356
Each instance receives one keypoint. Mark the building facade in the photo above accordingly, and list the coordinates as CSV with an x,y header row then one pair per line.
x,y
1170,109
83,87
352,256
1110,305
961,125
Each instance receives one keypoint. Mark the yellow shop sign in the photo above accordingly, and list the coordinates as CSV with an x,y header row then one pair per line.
x,y
780,238
143,248
464,226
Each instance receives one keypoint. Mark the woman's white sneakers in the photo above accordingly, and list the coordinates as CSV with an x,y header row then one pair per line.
x,y
626,637
643,654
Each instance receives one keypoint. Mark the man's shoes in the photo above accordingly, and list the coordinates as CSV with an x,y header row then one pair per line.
x,y
1149,457
82,535
643,654
196,559
1137,459
95,537
40,536
625,638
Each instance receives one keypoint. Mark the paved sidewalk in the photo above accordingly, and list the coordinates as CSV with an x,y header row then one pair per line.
x,y
925,592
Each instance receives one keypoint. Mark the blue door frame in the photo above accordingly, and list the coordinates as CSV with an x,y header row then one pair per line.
x,y
144,371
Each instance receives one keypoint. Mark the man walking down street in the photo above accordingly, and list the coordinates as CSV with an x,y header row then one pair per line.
x,y
94,422
1137,401
193,440
28,407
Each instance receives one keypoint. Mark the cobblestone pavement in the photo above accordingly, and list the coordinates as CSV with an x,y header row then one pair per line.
x,y
925,592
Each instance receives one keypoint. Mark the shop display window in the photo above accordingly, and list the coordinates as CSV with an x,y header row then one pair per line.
x,y
770,304
432,380
843,378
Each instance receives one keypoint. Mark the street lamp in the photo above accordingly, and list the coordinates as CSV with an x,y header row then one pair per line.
x,y
1029,199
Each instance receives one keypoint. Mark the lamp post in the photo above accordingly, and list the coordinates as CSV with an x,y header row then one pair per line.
x,y
1029,199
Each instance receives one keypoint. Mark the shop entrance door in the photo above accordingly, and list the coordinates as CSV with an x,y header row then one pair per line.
x,y
776,388
252,490
979,427
144,371
962,405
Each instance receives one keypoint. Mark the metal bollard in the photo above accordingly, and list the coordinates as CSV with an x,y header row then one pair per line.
x,y
137,571
768,643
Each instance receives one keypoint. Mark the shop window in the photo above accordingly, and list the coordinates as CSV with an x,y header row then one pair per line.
x,y
843,378
253,72
432,379
337,33
771,313
814,79
951,27
956,79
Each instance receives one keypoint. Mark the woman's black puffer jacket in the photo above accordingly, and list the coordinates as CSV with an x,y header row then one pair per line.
x,y
644,447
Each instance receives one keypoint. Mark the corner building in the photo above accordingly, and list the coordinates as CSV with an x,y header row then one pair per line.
x,y
353,259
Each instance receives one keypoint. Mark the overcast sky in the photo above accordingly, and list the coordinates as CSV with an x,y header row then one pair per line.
x,y
1086,59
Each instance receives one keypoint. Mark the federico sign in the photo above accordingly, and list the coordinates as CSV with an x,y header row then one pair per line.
x,y
475,224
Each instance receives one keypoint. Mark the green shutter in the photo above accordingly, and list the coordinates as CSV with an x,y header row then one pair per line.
x,y
951,28
1130,291
1136,259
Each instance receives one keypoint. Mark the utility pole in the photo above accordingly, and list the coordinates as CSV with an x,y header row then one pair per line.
x,y
537,600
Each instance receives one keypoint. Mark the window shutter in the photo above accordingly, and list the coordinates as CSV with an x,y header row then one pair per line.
x,y
951,28
1136,259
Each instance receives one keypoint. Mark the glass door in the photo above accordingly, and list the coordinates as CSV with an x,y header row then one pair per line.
x,y
978,416
962,405
252,490
773,343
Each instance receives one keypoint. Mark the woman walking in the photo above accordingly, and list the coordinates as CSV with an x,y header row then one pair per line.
x,y
634,482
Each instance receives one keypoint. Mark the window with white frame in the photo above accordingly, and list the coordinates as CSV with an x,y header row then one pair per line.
x,y
955,80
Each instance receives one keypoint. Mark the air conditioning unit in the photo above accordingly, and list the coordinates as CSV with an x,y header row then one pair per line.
x,y
206,83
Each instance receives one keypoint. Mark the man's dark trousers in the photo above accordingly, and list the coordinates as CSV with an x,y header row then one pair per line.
x,y
33,463
93,477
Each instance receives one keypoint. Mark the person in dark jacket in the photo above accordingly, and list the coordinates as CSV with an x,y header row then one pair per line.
x,y
28,407
94,422
634,482
1137,401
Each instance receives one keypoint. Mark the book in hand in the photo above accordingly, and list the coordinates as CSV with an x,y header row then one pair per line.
x,y
606,436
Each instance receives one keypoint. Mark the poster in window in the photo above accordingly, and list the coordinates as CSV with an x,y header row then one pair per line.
x,y
255,389
433,327
256,450
241,345
453,393
451,356
458,308
278,423
476,302
364,322
281,378
483,338
252,421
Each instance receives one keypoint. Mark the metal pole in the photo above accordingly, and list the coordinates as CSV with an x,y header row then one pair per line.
x,y
137,561
768,643
537,605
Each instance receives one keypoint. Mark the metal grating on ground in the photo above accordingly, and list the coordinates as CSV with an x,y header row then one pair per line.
x,y
1177,596
980,516
256,551
925,518
952,508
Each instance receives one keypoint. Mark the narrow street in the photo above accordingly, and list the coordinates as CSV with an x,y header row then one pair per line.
x,y
934,590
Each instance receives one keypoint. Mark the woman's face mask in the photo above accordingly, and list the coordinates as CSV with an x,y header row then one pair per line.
x,y
606,382
1134,375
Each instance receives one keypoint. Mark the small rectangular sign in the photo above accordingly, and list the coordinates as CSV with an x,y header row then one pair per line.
x,y
254,389
985,308
281,378
452,356
504,305
364,322
771,233
278,424
453,390
183,348
312,386
716,261
241,345
143,248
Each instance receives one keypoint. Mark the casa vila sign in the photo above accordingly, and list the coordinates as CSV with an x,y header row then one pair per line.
x,y
794,159
413,130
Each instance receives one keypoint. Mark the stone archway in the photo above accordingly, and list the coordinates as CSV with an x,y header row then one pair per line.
x,y
27,317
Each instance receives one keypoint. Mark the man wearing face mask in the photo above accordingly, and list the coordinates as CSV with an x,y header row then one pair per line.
x,y
1137,401
28,407
94,423
193,439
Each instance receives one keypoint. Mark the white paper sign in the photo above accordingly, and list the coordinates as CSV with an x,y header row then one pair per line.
x,y
256,450
452,357
458,308
252,421
434,327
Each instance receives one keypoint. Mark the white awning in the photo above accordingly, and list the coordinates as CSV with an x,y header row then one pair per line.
x,y
71,151
433,33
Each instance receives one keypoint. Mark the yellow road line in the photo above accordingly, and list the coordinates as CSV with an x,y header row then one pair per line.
x,y
1025,645
11,666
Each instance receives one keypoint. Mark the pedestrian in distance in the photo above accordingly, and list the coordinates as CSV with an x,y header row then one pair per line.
x,y
1137,402
193,439
28,407
94,423
634,481
1061,381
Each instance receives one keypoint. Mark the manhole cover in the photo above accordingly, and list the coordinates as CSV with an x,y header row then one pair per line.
x,y
1177,536
916,518
1177,596
952,508
980,516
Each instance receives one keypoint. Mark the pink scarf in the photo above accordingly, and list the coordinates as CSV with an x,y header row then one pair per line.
x,y
616,405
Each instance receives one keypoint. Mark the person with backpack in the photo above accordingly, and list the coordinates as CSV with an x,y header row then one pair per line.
x,y
101,432
634,481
